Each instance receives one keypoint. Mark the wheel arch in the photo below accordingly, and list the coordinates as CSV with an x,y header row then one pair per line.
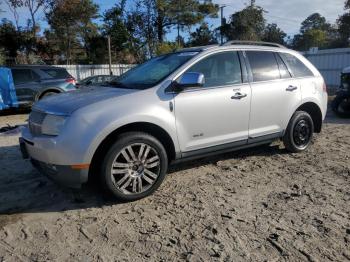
x,y
158,132
43,92
315,112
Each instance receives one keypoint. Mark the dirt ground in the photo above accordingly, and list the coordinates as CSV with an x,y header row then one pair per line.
x,y
255,205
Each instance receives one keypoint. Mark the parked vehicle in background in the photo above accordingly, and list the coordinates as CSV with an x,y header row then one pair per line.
x,y
34,82
95,80
341,103
179,106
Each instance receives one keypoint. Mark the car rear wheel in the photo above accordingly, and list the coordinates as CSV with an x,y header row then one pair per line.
x,y
299,133
134,167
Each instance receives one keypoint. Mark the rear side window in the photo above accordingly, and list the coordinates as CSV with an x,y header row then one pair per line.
x,y
219,69
264,66
56,73
21,76
297,67
282,67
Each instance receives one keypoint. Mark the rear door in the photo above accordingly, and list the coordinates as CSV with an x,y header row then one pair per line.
x,y
27,84
274,95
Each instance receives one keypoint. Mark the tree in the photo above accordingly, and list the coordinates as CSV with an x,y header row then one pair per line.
x,y
272,33
182,13
315,31
13,6
71,21
202,36
315,22
247,24
343,23
9,38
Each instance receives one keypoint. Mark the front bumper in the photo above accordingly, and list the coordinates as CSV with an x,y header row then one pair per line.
x,y
65,175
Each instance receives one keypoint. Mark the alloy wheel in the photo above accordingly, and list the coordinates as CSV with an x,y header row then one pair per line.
x,y
135,168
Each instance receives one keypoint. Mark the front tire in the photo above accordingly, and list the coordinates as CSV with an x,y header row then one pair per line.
x,y
299,133
134,167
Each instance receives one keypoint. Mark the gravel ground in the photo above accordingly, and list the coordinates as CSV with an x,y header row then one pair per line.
x,y
257,205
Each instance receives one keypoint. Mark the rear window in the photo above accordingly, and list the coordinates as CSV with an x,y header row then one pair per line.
x,y
297,67
264,66
57,73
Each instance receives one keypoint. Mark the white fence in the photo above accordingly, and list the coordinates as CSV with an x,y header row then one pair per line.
x,y
80,72
330,63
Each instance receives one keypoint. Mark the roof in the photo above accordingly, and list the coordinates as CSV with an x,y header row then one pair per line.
x,y
35,66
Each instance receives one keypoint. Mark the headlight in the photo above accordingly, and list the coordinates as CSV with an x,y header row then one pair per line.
x,y
52,125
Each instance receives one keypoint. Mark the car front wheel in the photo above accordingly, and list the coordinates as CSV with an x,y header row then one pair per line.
x,y
299,133
134,167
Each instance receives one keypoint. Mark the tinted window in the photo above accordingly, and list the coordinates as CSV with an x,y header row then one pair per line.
x,y
296,66
219,69
282,67
56,73
264,66
22,76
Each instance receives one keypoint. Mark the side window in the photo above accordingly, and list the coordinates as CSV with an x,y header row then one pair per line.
x,y
296,66
21,76
284,72
220,69
264,65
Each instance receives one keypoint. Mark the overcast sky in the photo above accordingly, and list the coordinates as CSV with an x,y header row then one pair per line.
x,y
288,14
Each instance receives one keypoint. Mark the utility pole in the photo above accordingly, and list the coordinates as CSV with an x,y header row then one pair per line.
x,y
109,55
222,23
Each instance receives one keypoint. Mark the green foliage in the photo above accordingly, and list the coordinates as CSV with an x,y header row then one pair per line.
x,y
71,21
247,24
272,33
315,31
315,22
343,23
166,47
202,36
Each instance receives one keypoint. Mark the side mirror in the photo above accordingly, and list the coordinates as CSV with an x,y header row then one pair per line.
x,y
190,80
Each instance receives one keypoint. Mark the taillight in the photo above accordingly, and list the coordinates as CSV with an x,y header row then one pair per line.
x,y
71,80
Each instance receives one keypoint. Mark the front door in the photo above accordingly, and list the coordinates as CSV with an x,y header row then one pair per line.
x,y
217,113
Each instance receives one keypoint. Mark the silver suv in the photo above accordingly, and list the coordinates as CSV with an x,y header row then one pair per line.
x,y
175,107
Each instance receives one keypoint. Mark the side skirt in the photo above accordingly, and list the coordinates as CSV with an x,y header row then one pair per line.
x,y
226,148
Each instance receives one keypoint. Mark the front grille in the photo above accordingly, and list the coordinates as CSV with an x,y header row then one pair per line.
x,y
36,119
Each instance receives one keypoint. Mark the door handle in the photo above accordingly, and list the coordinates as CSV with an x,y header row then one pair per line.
x,y
291,88
238,96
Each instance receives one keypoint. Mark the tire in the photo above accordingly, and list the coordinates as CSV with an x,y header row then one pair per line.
x,y
299,133
45,95
128,177
337,106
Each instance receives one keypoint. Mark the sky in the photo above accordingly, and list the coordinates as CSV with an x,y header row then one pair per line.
x,y
287,14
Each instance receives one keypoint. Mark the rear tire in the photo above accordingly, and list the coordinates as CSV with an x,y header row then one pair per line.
x,y
299,133
134,167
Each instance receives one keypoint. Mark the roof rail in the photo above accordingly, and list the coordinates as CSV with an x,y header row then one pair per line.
x,y
239,42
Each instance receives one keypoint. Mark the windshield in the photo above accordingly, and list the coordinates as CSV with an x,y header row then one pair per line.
x,y
152,72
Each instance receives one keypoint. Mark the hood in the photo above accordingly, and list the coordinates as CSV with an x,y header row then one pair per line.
x,y
67,103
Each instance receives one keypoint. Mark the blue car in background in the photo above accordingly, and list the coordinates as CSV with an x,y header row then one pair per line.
x,y
35,82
